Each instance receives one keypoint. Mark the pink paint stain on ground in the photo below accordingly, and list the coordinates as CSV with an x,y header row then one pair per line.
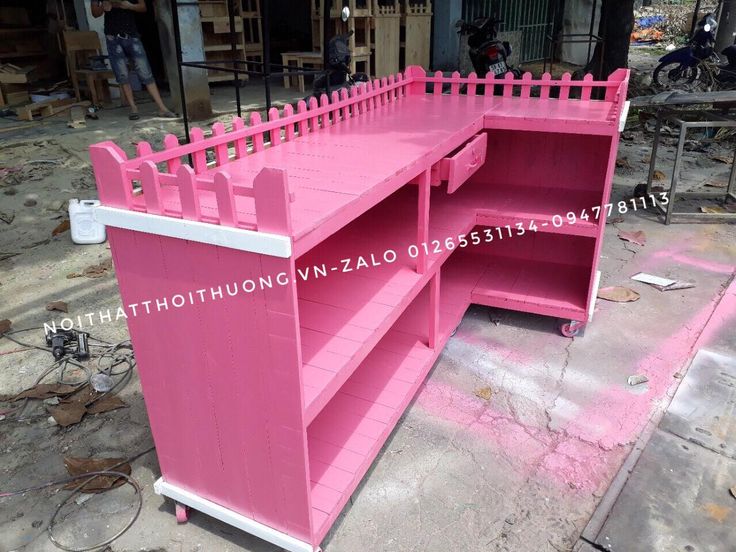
x,y
557,457
497,350
618,415
581,454
702,264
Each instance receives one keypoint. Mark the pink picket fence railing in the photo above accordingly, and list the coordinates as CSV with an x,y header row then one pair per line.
x,y
118,177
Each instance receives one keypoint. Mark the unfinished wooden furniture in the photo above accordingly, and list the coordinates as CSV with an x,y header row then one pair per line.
x,y
416,21
359,24
298,60
14,82
291,296
386,38
215,18
315,60
79,47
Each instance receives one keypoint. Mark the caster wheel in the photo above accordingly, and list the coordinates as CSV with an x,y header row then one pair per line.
x,y
572,328
182,513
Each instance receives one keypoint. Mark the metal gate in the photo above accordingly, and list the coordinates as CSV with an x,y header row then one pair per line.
x,y
529,17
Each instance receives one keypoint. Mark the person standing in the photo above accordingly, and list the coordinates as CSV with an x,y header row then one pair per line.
x,y
124,45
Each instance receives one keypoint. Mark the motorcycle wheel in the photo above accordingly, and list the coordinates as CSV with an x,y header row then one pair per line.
x,y
673,75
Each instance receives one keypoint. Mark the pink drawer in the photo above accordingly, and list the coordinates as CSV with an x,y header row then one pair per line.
x,y
461,166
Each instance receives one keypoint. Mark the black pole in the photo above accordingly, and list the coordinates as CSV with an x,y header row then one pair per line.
x,y
695,18
266,32
234,50
326,20
591,29
179,61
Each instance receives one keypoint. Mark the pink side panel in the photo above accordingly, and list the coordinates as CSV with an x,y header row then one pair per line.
x,y
199,157
271,192
220,375
241,147
113,186
171,142
151,189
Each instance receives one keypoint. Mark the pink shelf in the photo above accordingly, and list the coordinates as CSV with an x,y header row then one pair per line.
x,y
500,205
534,286
343,316
347,435
552,115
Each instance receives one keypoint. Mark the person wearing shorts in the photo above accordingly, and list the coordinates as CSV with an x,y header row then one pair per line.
x,y
124,46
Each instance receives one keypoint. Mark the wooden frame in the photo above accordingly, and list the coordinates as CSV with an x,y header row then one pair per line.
x,y
301,369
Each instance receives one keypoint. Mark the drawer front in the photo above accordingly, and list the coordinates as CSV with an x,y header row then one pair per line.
x,y
461,166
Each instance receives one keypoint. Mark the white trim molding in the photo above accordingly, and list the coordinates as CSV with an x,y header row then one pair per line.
x,y
594,295
234,519
264,243
624,116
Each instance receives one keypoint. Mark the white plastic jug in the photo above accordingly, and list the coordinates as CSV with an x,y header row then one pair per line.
x,y
85,229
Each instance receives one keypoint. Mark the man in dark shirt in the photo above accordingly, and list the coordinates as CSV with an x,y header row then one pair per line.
x,y
124,45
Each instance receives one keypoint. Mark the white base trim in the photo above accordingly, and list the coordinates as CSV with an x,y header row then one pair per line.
x,y
264,243
594,294
624,116
243,523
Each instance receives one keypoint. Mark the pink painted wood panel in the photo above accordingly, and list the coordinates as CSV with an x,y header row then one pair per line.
x,y
210,371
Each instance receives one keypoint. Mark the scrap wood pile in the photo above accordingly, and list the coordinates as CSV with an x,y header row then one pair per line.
x,y
665,23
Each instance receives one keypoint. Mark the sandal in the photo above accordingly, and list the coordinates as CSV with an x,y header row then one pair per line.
x,y
167,115
134,116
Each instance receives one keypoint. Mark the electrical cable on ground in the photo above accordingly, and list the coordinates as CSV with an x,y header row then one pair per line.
x,y
88,478
109,358
113,354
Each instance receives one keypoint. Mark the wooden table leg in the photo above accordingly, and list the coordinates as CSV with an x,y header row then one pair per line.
x,y
300,78
285,61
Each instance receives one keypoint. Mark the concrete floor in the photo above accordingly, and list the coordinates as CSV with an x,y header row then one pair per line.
x,y
520,471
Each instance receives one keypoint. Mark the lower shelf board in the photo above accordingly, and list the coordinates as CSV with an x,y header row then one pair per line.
x,y
552,289
344,439
349,432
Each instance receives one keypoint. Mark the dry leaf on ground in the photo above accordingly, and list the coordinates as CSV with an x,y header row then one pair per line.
x,y
5,325
714,210
63,226
618,294
638,237
484,393
94,271
67,413
45,391
659,175
60,306
721,159
717,183
623,162
80,466
106,404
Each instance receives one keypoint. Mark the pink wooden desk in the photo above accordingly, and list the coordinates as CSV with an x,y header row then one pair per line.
x,y
291,296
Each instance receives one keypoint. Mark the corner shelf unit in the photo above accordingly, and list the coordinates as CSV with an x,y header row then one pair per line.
x,y
322,281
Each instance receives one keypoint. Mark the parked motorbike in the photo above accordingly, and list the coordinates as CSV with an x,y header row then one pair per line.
x,y
338,68
681,68
337,73
486,52
726,74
